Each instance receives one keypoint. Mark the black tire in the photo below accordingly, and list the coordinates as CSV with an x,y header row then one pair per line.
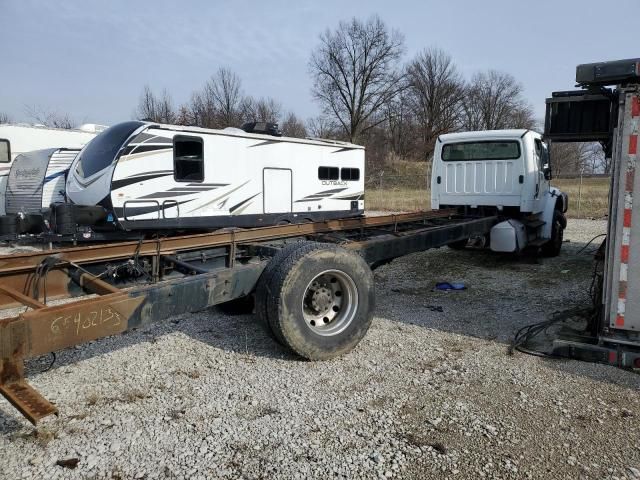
x,y
553,247
8,225
31,223
238,306
342,285
459,245
264,290
63,219
67,217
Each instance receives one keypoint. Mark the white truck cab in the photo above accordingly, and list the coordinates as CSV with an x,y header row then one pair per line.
x,y
505,173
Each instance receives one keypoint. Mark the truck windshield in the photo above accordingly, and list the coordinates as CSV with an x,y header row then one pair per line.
x,y
487,150
102,150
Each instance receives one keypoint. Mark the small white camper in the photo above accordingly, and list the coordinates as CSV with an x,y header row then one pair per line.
x,y
37,179
151,177
21,138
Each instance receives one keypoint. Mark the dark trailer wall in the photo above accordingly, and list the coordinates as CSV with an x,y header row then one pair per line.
x,y
610,116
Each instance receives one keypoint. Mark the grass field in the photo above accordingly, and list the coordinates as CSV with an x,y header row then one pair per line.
x,y
593,203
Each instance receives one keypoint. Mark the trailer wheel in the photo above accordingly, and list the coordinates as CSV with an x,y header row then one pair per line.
x,y
321,302
554,245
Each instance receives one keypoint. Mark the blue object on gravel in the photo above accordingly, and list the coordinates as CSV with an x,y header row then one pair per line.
x,y
445,286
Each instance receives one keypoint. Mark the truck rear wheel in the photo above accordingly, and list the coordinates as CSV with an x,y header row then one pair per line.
x,y
553,247
264,289
321,300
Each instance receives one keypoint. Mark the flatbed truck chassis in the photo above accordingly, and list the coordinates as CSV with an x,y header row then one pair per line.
x,y
312,283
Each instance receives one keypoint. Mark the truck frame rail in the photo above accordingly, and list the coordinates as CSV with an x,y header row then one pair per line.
x,y
106,290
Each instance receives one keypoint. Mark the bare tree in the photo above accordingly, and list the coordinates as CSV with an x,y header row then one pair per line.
x,y
569,158
494,100
261,110
147,105
155,109
4,118
292,126
400,125
49,118
202,110
184,116
522,116
321,127
596,159
435,95
355,72
224,92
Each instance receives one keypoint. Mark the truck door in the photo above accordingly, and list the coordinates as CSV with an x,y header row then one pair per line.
x,y
276,184
542,183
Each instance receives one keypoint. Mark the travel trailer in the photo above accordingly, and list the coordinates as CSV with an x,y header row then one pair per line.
x,y
21,138
146,176
37,179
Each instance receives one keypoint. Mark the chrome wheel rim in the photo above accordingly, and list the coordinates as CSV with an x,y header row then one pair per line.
x,y
330,303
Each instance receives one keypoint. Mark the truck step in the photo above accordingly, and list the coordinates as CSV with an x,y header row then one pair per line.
x,y
534,224
538,242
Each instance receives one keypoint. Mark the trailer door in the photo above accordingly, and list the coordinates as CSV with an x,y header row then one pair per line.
x,y
276,188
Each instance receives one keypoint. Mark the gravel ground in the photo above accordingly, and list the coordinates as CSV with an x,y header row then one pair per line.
x,y
430,392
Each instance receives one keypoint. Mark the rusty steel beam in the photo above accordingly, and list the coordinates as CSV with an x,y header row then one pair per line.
x,y
27,400
27,262
95,285
20,297
53,328
49,329
18,272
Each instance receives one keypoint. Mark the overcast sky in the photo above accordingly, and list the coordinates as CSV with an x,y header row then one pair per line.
x,y
90,59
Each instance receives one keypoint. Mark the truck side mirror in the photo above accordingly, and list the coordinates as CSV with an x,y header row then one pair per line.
x,y
547,172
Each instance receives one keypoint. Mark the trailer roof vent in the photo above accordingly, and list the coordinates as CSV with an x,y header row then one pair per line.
x,y
265,128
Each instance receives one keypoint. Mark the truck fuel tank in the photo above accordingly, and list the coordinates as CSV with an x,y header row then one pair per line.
x,y
508,236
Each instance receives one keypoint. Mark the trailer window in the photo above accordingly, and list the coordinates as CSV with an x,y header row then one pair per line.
x,y
5,151
352,174
328,173
491,150
103,149
188,159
